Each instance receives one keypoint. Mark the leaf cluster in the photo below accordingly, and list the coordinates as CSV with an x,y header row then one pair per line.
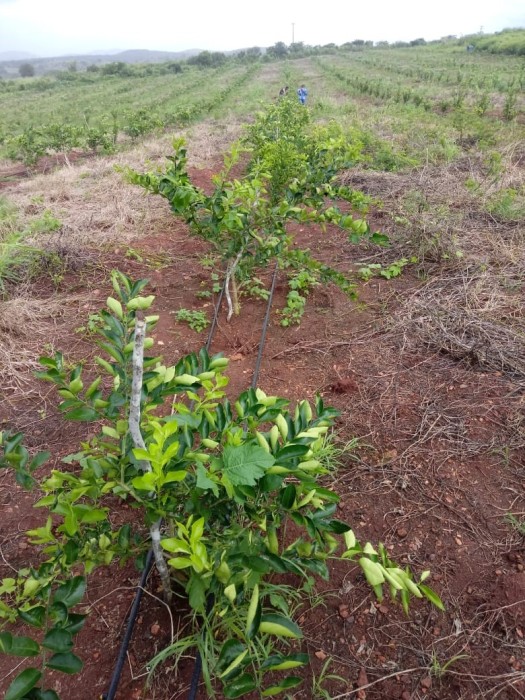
x,y
291,177
227,478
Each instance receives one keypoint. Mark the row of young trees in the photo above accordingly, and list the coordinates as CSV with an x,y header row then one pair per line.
x,y
228,493
508,41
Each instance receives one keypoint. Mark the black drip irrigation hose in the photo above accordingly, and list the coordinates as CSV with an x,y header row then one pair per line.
x,y
117,672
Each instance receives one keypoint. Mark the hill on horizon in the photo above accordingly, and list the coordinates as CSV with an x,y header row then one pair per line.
x,y
9,66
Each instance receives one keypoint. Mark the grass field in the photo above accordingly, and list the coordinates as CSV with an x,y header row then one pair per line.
x,y
426,365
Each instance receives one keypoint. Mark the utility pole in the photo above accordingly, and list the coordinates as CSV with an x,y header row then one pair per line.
x,y
293,32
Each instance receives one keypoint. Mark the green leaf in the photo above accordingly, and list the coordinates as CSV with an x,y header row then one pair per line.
x,y
204,482
18,646
432,596
285,684
244,464
379,239
34,616
287,496
39,694
67,663
291,452
197,594
270,482
124,536
231,650
180,563
317,566
91,515
253,617
38,460
240,686
71,592
75,622
82,413
58,612
283,663
280,626
146,482
372,570
338,526
23,683
235,667
58,640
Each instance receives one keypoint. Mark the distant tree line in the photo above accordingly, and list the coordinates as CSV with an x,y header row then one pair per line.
x,y
508,41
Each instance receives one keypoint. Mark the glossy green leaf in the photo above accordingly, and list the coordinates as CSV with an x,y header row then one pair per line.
x,y
38,460
338,526
34,616
372,570
290,452
253,617
71,592
145,482
287,496
23,684
231,650
240,686
58,612
204,482
59,640
75,622
18,646
39,694
67,663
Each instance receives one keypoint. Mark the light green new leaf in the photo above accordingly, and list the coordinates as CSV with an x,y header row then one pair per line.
x,y
180,563
280,626
285,684
146,482
432,596
372,570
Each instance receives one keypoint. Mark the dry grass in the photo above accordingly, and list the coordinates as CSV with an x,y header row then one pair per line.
x,y
471,317
94,203
26,324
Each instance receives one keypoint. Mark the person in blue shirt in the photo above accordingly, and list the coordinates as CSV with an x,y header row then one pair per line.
x,y
302,93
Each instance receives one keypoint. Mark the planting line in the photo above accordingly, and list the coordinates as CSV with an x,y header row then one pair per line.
x,y
209,602
117,672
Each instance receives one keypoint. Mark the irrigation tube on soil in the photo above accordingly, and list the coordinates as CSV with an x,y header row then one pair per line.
x,y
117,672
115,679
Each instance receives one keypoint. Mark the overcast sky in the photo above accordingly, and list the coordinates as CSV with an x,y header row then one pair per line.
x,y
59,27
